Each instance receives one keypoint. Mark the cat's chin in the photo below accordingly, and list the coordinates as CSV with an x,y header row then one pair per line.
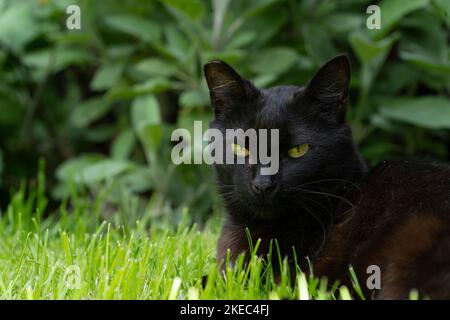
x,y
266,216
266,212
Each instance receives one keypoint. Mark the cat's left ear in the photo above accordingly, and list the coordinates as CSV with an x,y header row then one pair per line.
x,y
330,84
226,86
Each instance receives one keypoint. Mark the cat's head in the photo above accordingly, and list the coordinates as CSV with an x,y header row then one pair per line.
x,y
315,143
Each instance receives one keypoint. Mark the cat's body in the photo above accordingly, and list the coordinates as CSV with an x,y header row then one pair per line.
x,y
407,237
325,203
400,223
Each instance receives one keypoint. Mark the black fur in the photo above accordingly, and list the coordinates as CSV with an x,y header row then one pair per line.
x,y
318,203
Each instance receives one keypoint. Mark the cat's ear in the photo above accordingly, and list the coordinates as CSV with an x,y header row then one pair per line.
x,y
330,83
226,86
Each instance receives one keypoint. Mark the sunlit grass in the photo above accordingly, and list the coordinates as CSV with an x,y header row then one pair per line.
x,y
75,254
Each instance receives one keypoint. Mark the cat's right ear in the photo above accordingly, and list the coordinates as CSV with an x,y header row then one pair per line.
x,y
330,85
226,86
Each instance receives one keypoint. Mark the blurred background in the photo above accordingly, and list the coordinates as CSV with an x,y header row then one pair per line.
x,y
92,110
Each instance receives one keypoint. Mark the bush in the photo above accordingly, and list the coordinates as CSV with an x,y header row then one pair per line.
x,y
99,104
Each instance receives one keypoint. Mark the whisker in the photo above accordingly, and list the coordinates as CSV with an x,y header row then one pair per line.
x,y
329,180
321,224
345,200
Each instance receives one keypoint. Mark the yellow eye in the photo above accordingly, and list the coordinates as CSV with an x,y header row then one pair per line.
x,y
239,151
298,151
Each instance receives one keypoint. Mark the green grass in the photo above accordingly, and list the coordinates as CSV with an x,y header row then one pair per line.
x,y
76,254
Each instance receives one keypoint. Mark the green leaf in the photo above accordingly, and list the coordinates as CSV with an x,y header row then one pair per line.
x,y
123,51
426,45
241,39
123,145
134,25
231,56
344,22
318,43
193,98
190,8
431,112
372,55
444,9
151,137
145,111
368,50
425,61
107,76
155,85
88,111
263,80
156,67
91,169
152,86
177,44
392,11
101,170
71,38
68,169
37,59
146,118
121,93
138,179
269,22
55,60
274,60
17,25
258,6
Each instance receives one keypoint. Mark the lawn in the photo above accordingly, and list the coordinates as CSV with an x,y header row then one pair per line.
x,y
74,254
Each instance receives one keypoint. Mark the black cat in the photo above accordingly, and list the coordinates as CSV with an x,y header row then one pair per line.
x,y
324,201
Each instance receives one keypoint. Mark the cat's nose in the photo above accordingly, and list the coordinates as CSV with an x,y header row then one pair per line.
x,y
263,187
